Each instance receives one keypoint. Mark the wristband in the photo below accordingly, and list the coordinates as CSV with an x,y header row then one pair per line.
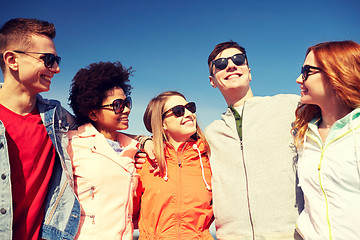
x,y
143,141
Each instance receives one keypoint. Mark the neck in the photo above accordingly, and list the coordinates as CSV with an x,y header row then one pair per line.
x,y
17,99
238,98
333,113
177,142
107,134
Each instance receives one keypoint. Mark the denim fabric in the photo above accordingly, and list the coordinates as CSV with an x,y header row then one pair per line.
x,y
62,210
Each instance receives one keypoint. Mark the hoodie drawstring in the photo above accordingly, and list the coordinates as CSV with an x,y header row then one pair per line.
x,y
166,173
202,167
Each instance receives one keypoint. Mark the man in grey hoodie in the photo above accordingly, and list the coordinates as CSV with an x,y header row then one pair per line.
x,y
252,155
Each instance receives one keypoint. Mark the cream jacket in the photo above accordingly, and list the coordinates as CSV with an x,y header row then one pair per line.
x,y
329,175
105,183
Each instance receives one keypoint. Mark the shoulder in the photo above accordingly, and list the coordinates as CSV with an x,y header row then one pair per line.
x,y
282,99
215,126
126,140
45,105
84,131
261,106
45,101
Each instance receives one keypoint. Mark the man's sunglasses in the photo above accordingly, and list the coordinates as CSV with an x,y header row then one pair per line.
x,y
48,58
237,59
179,110
118,105
305,71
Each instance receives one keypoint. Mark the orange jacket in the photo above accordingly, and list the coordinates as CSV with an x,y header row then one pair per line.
x,y
181,207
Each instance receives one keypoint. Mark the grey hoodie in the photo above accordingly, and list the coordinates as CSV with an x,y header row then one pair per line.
x,y
255,194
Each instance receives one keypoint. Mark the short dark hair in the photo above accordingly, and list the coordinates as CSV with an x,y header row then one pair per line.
x,y
18,31
221,47
90,85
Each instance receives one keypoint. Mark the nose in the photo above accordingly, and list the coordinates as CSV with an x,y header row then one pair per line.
x,y
55,68
231,64
126,110
299,80
188,113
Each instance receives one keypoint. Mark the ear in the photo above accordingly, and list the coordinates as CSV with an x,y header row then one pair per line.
x,y
11,60
250,77
212,82
92,115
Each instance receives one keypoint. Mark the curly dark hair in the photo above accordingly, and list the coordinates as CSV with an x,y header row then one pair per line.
x,y
90,85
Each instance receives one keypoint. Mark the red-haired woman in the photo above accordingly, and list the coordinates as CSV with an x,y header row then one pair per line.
x,y
327,135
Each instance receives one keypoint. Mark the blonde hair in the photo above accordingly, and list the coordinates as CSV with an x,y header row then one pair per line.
x,y
340,63
154,123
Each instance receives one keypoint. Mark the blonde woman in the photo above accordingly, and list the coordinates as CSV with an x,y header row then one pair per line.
x,y
176,203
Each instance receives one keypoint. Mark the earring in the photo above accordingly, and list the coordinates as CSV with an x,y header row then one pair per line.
x,y
92,116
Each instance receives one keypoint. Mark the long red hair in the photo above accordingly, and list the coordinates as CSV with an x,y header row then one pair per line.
x,y
340,63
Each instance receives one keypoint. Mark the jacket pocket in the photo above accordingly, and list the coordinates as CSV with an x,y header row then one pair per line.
x,y
91,216
87,192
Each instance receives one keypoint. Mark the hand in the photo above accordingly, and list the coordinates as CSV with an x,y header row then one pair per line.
x,y
149,149
140,159
154,168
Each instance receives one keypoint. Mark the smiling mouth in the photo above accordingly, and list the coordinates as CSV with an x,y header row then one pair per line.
x,y
233,76
123,120
188,122
303,90
46,77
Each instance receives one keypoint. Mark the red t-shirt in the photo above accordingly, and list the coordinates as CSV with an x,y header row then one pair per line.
x,y
32,157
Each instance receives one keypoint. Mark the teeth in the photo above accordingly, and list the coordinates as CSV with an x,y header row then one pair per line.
x,y
46,77
233,76
187,122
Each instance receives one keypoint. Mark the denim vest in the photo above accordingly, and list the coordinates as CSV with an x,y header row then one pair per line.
x,y
62,209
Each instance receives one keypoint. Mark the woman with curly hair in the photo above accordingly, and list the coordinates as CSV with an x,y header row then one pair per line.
x,y
103,158
327,135
177,203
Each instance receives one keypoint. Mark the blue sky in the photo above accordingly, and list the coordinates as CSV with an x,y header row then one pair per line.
x,y
167,42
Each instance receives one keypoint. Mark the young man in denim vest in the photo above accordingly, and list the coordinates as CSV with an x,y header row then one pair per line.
x,y
251,158
36,195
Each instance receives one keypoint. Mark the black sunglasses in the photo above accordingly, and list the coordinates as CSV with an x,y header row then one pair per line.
x,y
237,59
48,58
305,71
179,110
118,105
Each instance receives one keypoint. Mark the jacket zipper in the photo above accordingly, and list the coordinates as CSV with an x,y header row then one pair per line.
x,y
131,188
179,190
323,148
323,191
246,177
247,192
90,190
64,167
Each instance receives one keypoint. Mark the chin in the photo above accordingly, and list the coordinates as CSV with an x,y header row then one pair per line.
x,y
305,100
192,133
123,127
